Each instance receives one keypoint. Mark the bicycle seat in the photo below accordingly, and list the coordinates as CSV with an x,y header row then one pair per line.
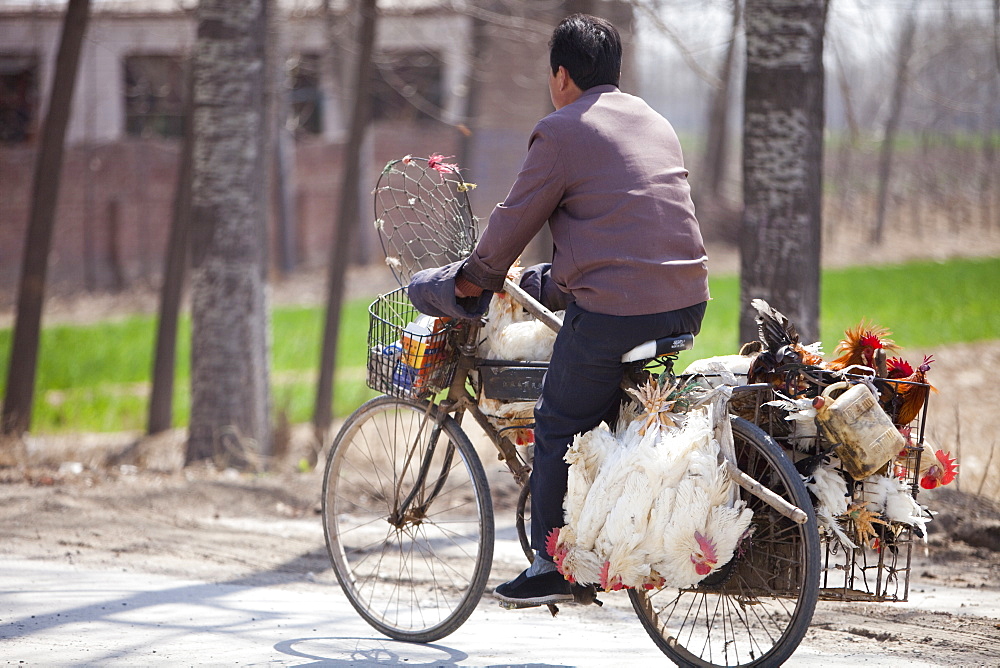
x,y
665,346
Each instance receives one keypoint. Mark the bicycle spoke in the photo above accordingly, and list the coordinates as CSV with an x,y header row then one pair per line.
x,y
760,610
408,520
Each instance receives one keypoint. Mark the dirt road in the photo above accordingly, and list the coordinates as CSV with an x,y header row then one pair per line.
x,y
262,535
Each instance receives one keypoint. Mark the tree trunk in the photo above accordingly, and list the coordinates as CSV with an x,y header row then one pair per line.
x,y
903,52
89,219
161,398
996,33
19,397
336,69
469,124
114,243
346,220
230,396
285,188
283,152
716,144
845,92
782,161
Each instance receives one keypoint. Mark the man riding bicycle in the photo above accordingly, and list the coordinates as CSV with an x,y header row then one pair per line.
x,y
606,171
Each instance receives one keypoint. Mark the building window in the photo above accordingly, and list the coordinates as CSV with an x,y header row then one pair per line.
x,y
154,96
306,96
407,86
18,98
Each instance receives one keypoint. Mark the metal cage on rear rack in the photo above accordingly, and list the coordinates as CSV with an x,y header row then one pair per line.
x,y
878,568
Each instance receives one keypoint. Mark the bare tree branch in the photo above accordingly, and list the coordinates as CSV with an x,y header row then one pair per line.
x,y
507,21
346,217
903,53
996,33
653,14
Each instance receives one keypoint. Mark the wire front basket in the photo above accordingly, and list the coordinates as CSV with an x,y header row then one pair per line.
x,y
409,354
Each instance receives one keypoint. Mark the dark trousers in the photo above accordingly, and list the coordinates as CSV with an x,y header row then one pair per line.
x,y
581,388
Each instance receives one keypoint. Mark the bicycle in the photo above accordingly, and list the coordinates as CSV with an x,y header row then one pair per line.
x,y
407,512
409,522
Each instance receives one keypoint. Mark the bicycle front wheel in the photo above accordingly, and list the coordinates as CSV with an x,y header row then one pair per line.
x,y
755,610
408,519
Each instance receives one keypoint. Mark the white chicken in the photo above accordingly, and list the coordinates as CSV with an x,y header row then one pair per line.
x,y
802,416
827,484
650,504
513,419
893,499
511,333
585,457
529,340
706,522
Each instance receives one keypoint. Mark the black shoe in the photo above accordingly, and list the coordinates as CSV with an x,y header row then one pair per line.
x,y
525,592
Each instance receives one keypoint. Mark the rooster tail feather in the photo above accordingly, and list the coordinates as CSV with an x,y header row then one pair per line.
x,y
774,328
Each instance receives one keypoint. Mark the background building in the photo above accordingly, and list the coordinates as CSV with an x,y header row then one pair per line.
x,y
449,80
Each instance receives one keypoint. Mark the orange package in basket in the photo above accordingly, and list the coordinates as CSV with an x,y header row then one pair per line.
x,y
424,347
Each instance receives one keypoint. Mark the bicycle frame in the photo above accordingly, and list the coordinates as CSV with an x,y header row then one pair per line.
x,y
418,428
460,400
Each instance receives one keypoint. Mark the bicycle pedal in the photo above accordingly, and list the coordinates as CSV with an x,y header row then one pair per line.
x,y
585,595
510,605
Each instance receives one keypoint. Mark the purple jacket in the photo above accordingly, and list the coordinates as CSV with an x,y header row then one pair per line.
x,y
608,175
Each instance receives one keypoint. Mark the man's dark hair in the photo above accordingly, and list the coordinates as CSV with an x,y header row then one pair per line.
x,y
590,49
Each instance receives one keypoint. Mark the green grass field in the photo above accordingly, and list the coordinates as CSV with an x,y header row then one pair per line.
x,y
96,377
923,303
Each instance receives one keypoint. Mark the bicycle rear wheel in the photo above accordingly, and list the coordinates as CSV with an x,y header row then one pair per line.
x,y
408,519
756,609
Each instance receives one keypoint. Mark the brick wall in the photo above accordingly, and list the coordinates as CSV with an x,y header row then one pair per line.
x,y
116,200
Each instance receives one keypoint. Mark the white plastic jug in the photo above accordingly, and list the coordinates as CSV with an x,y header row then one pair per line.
x,y
867,437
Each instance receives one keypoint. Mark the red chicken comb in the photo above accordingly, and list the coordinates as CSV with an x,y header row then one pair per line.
x,y
552,540
897,367
940,473
707,546
610,583
557,553
871,340
707,558
949,466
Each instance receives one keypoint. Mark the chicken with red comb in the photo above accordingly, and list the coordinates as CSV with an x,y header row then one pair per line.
x,y
913,392
942,470
860,344
704,558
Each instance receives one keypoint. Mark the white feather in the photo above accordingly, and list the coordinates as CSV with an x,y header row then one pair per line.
x,y
678,538
530,340
892,497
585,565
729,370
832,498
829,488
735,364
649,497
802,415
827,520
585,457
726,525
511,333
